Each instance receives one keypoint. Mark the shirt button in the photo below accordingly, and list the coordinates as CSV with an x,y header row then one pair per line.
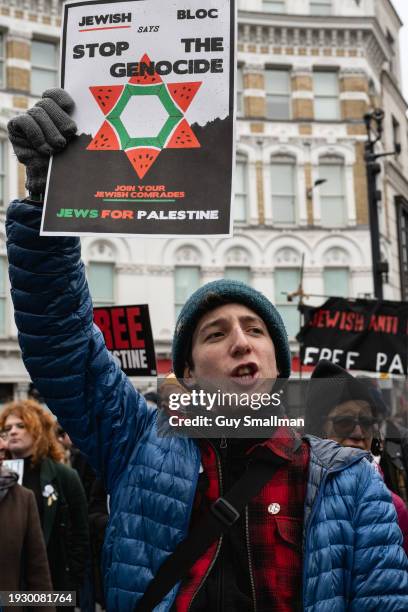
x,y
274,508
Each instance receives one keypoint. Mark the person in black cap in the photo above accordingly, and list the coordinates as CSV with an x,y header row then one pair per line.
x,y
394,443
339,407
342,408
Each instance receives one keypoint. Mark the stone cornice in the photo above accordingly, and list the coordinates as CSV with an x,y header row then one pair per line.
x,y
305,31
19,35
23,9
155,270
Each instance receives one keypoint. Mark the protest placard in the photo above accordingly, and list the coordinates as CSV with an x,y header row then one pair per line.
x,y
128,335
358,334
153,84
15,465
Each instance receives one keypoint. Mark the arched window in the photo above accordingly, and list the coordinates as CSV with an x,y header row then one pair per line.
x,y
239,273
237,265
187,275
336,282
283,190
186,281
3,295
336,273
101,282
286,280
101,273
332,193
241,189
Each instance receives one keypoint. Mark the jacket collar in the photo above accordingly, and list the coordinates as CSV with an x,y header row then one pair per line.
x,y
331,455
284,443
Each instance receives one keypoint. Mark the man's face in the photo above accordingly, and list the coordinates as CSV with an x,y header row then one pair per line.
x,y
231,343
351,424
19,440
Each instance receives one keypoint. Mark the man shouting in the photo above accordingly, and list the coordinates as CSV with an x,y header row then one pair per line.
x,y
319,535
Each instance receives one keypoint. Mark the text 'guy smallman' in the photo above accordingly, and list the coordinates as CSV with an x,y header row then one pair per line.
x,y
235,422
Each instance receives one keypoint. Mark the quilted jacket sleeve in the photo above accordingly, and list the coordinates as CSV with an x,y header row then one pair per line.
x,y
63,351
380,572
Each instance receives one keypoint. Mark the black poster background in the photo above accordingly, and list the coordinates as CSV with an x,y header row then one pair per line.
x,y
121,325
204,174
357,315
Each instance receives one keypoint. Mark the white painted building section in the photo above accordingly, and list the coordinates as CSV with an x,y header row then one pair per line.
x,y
323,46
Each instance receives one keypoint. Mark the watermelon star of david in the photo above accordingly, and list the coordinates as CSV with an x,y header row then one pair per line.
x,y
172,131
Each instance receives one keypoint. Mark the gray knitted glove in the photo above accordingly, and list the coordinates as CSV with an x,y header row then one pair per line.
x,y
39,133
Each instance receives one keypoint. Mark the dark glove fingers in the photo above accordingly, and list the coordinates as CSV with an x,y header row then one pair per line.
x,y
39,133
37,175
16,138
61,97
63,122
26,155
25,131
51,133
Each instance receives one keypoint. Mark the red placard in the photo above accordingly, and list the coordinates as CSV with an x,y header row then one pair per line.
x,y
128,335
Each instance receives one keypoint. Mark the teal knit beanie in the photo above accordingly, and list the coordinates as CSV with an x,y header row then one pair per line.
x,y
229,291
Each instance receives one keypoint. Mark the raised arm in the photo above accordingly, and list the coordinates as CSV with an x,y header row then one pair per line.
x,y
63,351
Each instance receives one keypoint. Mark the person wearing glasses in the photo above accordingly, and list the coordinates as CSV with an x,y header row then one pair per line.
x,y
341,408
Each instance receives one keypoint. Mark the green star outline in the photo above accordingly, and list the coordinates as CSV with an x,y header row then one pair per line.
x,y
174,116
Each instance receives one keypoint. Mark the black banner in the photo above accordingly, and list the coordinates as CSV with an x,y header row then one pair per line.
x,y
367,335
128,335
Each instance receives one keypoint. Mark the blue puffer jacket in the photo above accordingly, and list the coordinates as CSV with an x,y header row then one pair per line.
x,y
353,558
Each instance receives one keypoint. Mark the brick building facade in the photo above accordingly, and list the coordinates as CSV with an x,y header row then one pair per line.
x,y
308,71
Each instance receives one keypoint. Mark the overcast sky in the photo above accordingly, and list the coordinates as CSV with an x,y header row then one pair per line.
x,y
402,8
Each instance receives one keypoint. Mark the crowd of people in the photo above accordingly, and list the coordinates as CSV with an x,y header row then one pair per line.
x,y
142,521
57,516
49,514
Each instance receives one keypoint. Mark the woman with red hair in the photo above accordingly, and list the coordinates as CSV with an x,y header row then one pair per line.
x,y
61,500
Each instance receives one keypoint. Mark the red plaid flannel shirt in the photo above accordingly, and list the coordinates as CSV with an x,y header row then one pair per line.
x,y
275,539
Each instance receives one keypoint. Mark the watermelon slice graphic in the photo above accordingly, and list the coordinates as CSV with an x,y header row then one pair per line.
x,y
173,132
183,93
146,79
183,137
106,97
105,139
142,159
